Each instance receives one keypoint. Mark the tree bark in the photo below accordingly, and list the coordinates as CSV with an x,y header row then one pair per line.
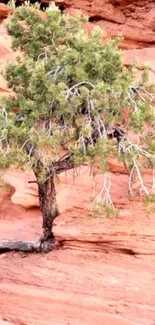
x,y
47,200
27,247
6,246
48,206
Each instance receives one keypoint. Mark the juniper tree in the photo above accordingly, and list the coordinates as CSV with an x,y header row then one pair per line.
x,y
70,92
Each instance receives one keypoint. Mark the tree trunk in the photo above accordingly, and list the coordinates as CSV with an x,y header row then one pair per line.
x,y
49,210
47,200
48,206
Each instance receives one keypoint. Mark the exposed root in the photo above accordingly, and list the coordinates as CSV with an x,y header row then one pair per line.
x,y
104,195
27,247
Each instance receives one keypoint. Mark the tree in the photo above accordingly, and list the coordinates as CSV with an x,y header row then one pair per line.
x,y
70,95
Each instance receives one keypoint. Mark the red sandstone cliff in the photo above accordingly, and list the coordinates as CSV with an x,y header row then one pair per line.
x,y
134,19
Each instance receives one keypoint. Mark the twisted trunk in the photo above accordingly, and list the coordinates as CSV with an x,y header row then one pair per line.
x,y
47,200
49,210
47,192
48,206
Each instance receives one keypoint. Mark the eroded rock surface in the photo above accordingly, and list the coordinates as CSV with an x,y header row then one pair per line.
x,y
6,55
135,20
78,226
103,272
4,11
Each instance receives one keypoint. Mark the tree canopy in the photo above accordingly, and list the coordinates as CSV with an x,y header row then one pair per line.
x,y
70,95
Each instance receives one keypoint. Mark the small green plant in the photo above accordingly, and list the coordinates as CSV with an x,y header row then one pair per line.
x,y
149,202
102,210
150,198
12,4
4,187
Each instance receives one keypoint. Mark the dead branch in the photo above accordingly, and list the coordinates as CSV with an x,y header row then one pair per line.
x,y
28,247
104,195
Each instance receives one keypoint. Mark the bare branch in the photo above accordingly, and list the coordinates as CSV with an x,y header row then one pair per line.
x,y
74,88
133,102
104,195
54,73
61,165
143,188
29,147
42,56
4,133
81,142
138,93
127,149
137,89
130,180
144,90
28,247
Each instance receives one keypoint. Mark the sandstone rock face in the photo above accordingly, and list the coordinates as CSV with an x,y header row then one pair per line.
x,y
141,57
103,272
135,20
4,11
25,194
73,190
6,54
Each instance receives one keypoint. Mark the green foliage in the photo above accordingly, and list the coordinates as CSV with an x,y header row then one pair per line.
x,y
149,202
102,210
149,198
69,90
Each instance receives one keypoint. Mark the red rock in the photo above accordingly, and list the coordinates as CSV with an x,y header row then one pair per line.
x,y
6,55
4,90
95,278
4,11
6,52
141,57
25,194
133,19
42,15
5,322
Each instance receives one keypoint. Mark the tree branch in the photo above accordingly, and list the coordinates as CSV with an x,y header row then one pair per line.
x,y
104,195
29,148
63,164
